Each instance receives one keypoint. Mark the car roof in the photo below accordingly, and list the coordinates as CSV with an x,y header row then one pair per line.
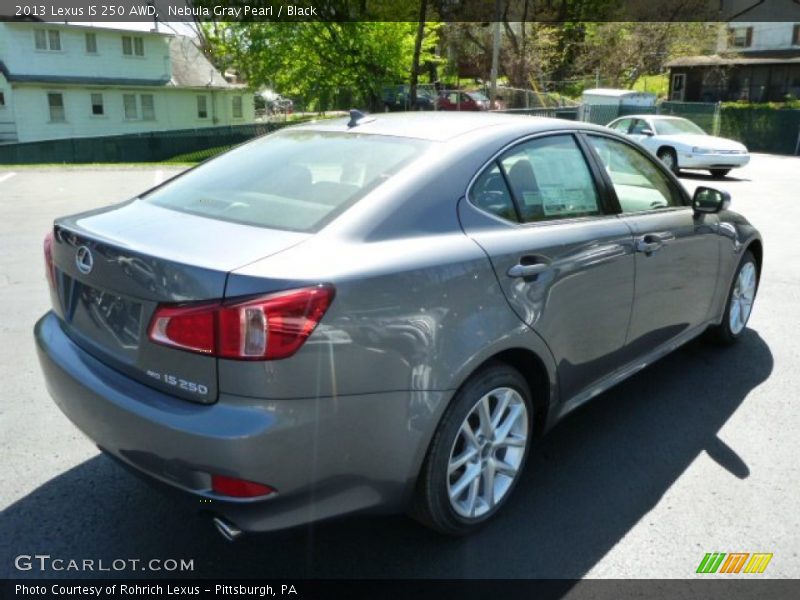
x,y
441,126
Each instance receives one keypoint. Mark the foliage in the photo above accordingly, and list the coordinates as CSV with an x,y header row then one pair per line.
x,y
790,103
318,62
622,51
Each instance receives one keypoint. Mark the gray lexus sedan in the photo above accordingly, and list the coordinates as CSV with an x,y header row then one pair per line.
x,y
380,313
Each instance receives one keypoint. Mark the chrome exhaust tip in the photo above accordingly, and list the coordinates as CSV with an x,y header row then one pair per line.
x,y
227,530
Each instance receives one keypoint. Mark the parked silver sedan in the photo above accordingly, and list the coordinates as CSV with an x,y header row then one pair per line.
x,y
380,314
681,144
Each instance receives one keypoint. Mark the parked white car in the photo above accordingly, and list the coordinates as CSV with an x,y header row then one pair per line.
x,y
680,144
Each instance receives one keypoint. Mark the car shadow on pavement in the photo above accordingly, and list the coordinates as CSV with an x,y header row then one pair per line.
x,y
586,485
711,178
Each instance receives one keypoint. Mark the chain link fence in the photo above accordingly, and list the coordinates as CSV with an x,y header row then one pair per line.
x,y
186,145
760,129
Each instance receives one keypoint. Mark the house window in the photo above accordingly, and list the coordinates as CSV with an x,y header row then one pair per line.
x,y
740,37
47,39
2,99
132,46
55,39
91,43
202,107
148,107
796,35
56,104
237,107
129,103
97,105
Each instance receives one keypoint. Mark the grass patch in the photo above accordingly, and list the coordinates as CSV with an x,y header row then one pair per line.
x,y
653,84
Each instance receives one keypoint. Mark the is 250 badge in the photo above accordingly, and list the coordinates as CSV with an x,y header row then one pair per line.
x,y
181,384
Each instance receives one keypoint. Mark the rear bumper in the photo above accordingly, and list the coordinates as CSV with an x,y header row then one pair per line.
x,y
325,456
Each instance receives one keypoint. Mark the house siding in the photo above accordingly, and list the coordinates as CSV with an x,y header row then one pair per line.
x,y
77,75
174,109
766,36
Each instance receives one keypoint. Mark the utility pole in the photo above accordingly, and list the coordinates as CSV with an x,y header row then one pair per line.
x,y
495,55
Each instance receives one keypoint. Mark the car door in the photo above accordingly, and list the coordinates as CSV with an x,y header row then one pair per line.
x,y
563,259
676,250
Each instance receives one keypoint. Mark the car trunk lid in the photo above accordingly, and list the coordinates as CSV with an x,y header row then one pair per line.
x,y
107,291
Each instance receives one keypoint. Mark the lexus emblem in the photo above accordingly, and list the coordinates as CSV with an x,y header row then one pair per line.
x,y
84,260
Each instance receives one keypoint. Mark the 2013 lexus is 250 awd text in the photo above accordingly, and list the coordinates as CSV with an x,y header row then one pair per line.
x,y
380,313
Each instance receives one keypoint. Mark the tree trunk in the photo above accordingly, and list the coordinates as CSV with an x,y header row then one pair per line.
x,y
423,7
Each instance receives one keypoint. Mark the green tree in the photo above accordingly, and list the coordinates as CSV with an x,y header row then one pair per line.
x,y
323,63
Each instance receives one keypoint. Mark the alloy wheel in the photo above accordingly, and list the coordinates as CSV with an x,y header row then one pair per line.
x,y
487,453
742,296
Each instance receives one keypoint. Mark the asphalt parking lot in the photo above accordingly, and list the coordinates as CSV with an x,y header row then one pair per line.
x,y
696,454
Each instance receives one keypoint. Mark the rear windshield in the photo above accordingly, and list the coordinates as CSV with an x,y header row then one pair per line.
x,y
292,180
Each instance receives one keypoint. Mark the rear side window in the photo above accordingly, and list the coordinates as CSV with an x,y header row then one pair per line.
x,y
545,178
295,181
490,193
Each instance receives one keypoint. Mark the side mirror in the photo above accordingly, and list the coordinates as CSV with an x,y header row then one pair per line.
x,y
647,131
709,200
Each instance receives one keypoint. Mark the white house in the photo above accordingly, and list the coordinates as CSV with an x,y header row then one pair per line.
x,y
64,81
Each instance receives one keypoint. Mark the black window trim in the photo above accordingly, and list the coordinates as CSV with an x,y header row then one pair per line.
x,y
607,205
674,181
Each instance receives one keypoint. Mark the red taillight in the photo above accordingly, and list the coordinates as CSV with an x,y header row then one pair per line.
x,y
49,265
239,488
189,328
266,328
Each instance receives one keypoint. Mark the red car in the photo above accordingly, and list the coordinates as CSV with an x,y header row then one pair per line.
x,y
457,100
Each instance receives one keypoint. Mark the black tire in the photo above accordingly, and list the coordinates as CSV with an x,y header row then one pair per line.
x,y
669,158
431,504
722,333
719,173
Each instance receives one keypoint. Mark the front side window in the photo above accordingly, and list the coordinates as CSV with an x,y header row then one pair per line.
x,y
639,184
237,107
622,126
127,45
550,179
55,102
148,107
97,105
2,99
129,104
796,35
138,46
91,43
295,181
639,126
202,107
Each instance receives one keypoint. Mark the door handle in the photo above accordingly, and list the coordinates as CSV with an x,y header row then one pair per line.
x,y
521,270
652,242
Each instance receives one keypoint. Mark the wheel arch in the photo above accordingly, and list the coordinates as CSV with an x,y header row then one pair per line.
x,y
667,147
531,366
756,248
